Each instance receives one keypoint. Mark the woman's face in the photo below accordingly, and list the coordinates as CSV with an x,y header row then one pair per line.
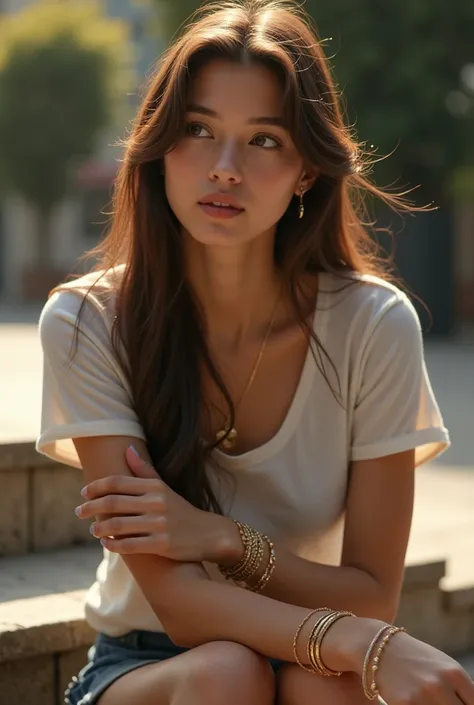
x,y
234,151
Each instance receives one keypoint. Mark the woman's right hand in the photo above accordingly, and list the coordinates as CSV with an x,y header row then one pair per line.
x,y
414,673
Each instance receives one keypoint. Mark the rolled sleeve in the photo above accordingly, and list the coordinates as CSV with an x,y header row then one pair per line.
x,y
395,407
85,392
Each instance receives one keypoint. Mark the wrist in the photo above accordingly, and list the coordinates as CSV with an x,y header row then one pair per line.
x,y
227,547
346,643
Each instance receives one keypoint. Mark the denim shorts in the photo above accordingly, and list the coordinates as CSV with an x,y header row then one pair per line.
x,y
112,657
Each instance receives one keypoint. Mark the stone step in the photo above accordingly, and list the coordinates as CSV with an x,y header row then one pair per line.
x,y
37,501
43,633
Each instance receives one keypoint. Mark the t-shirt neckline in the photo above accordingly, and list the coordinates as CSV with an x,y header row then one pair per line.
x,y
305,384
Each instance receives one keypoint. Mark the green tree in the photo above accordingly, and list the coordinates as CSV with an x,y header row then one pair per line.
x,y
63,68
400,68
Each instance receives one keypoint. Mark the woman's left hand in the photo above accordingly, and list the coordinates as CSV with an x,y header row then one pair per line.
x,y
147,516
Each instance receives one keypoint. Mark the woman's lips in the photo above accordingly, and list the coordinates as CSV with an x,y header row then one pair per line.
x,y
222,212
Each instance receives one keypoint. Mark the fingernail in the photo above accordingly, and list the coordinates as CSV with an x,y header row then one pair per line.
x,y
92,529
78,511
84,492
103,542
135,451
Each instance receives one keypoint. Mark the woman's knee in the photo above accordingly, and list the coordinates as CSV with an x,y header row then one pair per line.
x,y
299,687
224,672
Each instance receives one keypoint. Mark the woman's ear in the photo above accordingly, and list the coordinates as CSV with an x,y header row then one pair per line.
x,y
306,182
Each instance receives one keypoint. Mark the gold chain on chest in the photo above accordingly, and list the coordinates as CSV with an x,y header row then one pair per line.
x,y
227,436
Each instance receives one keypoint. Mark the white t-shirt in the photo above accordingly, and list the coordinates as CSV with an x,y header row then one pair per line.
x,y
294,486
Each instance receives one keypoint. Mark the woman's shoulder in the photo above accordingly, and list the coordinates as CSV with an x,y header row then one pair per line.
x,y
361,305
367,295
86,302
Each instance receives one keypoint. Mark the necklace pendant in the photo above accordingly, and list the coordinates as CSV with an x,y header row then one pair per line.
x,y
228,442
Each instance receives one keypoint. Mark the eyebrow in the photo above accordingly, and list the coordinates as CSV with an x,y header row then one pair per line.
x,y
202,110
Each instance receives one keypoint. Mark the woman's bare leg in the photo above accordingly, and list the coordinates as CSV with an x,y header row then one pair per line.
x,y
218,673
298,687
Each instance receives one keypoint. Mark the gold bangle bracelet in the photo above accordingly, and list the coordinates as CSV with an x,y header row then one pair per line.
x,y
310,643
317,640
298,632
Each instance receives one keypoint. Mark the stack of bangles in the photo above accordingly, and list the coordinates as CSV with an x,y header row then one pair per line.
x,y
250,566
315,640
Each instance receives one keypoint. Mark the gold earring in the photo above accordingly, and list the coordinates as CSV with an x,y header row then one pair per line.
x,y
301,211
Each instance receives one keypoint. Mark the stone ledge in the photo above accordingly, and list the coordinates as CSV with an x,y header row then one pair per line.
x,y
461,598
418,574
22,456
42,602
48,573
37,501
63,628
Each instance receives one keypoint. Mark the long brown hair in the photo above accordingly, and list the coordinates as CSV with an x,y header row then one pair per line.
x,y
158,318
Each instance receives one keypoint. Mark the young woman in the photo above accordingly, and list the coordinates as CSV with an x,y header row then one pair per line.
x,y
246,396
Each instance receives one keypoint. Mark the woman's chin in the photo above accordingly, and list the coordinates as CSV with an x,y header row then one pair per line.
x,y
219,236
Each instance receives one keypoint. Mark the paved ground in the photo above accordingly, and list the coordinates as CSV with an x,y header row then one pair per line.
x,y
444,515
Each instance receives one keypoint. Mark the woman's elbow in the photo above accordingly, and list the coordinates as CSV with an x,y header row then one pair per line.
x,y
378,603
386,613
384,608
169,588
181,635
179,625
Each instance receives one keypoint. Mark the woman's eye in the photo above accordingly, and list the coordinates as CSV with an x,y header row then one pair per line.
x,y
195,129
266,141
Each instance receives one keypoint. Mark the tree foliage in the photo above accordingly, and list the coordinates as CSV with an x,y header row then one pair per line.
x,y
401,68
62,68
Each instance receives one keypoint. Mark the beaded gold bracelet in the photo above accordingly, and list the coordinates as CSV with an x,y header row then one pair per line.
x,y
368,656
372,692
264,580
253,543
230,572
255,555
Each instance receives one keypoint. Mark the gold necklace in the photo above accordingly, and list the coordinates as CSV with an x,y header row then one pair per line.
x,y
227,436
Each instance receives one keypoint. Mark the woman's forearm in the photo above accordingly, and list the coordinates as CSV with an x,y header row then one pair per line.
x,y
302,582
298,581
202,610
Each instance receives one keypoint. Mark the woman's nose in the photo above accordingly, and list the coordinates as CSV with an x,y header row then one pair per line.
x,y
226,166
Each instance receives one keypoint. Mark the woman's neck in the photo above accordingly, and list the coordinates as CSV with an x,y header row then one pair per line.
x,y
237,287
